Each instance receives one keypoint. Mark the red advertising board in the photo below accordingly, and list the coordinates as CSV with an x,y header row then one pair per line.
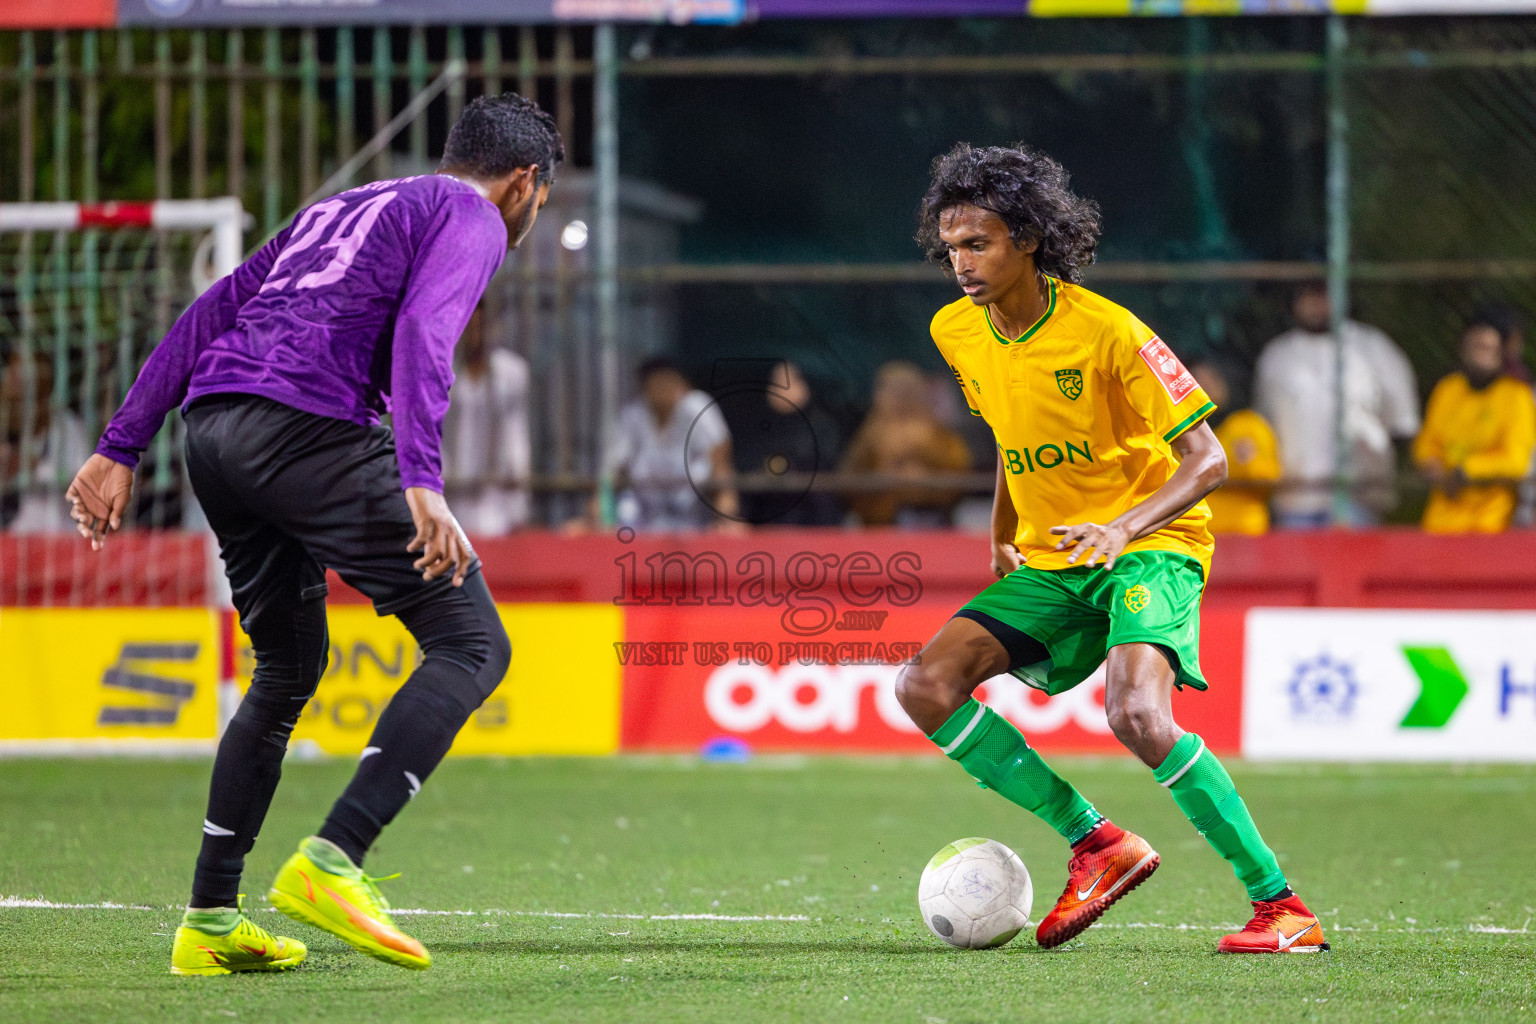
x,y
697,674
58,13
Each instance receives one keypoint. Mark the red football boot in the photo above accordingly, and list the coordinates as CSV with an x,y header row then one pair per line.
x,y
1278,926
1106,864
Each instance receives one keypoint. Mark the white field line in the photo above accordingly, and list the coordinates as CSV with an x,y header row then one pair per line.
x,y
20,903
17,903
107,748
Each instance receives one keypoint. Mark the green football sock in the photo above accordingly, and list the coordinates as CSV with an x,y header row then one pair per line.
x,y
214,921
996,755
1204,792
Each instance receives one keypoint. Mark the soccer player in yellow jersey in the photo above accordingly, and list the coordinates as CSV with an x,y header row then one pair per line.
x,y
1099,536
1478,434
1241,505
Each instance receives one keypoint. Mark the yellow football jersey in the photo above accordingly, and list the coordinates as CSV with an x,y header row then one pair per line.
x,y
1253,458
1489,435
1084,407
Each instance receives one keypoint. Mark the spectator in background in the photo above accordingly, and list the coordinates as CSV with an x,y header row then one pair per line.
x,y
1511,327
671,458
1241,505
36,462
1479,432
487,454
1296,390
903,437
786,433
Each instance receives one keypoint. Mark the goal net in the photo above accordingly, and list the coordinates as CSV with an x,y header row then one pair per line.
x,y
86,293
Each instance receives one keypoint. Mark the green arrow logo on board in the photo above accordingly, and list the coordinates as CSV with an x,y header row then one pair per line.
x,y
1441,687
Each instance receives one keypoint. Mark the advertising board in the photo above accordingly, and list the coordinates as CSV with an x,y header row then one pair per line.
x,y
194,13
754,681
102,679
560,696
78,679
1357,685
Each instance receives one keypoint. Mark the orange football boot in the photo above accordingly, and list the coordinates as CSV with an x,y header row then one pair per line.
x,y
1106,864
1278,926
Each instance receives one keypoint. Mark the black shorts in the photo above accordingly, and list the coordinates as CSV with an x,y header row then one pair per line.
x,y
290,494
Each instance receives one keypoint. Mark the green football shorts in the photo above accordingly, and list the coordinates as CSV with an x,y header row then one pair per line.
x,y
1078,614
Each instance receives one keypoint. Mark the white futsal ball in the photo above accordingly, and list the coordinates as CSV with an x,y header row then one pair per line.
x,y
975,894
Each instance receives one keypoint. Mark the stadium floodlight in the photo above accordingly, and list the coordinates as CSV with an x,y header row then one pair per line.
x,y
574,237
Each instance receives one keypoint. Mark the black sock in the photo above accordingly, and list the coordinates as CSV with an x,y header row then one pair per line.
x,y
246,771
210,902
465,656
289,639
413,734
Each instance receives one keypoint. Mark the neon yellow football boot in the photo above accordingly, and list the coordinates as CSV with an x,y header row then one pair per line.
x,y
321,886
203,946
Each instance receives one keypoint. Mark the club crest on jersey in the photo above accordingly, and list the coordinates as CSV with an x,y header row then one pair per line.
x,y
1137,598
1070,382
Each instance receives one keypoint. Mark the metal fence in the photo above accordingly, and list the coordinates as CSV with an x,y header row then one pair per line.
x,y
1234,158
264,114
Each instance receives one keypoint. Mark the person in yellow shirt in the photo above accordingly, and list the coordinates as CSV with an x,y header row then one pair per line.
x,y
1479,431
1100,536
902,437
1241,505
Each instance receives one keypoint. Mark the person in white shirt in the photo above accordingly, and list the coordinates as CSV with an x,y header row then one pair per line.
x,y
671,456
45,456
487,453
1295,390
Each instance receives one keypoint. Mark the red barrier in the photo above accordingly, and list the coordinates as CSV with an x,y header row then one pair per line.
x,y
135,569
1390,568
1395,568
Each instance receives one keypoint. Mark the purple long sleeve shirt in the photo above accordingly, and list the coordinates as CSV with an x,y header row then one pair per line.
x,y
352,311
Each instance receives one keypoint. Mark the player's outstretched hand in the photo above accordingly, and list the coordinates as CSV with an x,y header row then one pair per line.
x,y
1005,558
1095,541
439,538
98,498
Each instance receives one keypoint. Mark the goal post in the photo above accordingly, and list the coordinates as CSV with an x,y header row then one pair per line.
x,y
223,219
87,291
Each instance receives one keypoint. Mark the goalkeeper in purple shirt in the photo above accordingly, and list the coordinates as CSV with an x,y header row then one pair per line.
x,y
282,371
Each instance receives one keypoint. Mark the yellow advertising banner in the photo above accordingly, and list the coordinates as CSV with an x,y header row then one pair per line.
x,y
96,676
104,678
561,695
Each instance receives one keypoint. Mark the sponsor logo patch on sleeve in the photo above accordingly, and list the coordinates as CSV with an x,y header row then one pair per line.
x,y
1165,366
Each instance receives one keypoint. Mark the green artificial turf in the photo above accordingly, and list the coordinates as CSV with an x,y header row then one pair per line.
x,y
1423,876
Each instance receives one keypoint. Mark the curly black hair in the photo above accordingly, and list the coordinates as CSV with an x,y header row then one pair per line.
x,y
498,134
1024,187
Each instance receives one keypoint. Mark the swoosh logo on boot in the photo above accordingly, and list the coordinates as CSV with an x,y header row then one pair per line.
x,y
1287,941
377,930
1083,894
